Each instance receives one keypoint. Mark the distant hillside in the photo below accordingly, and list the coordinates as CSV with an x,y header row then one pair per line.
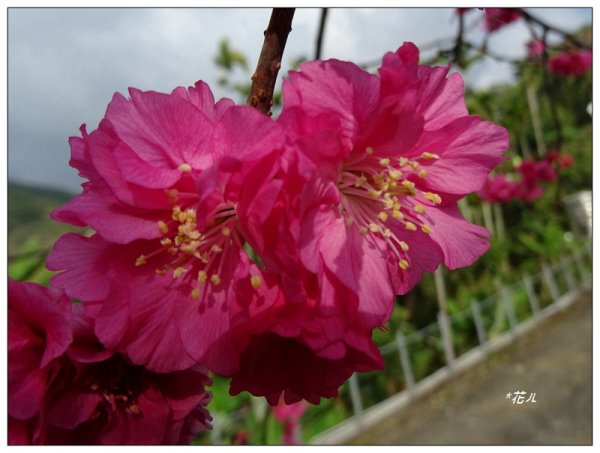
x,y
30,204
29,224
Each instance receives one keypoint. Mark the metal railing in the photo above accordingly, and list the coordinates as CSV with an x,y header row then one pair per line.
x,y
497,321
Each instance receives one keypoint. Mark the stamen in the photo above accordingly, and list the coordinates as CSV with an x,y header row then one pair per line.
x,y
410,226
427,155
215,279
403,264
179,271
202,276
420,208
426,229
186,168
141,260
163,227
195,294
255,281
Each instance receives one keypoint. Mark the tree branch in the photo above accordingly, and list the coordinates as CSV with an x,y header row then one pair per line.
x,y
322,21
570,37
269,61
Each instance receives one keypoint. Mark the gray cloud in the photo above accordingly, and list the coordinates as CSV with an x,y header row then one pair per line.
x,y
65,64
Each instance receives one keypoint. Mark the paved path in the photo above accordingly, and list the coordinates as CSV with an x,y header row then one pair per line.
x,y
554,362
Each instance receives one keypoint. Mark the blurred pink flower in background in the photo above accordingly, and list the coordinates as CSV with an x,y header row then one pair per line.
x,y
498,189
496,18
573,63
290,416
536,48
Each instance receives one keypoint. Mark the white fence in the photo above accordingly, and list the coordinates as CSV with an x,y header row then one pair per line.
x,y
564,282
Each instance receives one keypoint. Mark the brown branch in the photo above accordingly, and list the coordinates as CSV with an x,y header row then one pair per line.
x,y
269,61
322,21
546,27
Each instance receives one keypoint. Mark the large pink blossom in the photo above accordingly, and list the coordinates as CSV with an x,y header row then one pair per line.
x,y
166,277
363,204
38,334
99,397
573,63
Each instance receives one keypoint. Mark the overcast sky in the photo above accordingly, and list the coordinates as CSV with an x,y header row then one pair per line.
x,y
65,64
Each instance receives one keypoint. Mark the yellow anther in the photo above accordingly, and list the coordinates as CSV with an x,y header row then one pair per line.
x,y
202,276
395,174
159,271
422,173
388,202
403,161
374,193
425,229
378,179
414,164
172,194
404,246
183,229
255,281
383,216
434,197
173,250
362,230
225,231
384,162
162,226
204,257
181,216
420,208
216,249
396,214
427,155
179,271
186,168
178,241
190,247
175,213
141,260
409,185
387,233
410,226
360,181
195,234
195,293
215,279
349,221
190,214
374,227
369,150
403,264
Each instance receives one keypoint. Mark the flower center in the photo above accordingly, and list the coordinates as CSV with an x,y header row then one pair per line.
x,y
194,256
380,197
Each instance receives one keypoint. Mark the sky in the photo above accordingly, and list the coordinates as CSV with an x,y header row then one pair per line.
x,y
65,64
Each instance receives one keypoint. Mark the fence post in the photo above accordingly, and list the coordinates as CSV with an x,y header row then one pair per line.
x,y
443,319
580,266
508,305
405,360
549,279
571,283
444,323
531,295
355,395
479,326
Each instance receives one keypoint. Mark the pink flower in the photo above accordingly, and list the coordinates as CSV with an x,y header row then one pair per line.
x,y
571,63
496,18
289,416
565,161
364,203
38,334
498,189
535,48
100,398
166,277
